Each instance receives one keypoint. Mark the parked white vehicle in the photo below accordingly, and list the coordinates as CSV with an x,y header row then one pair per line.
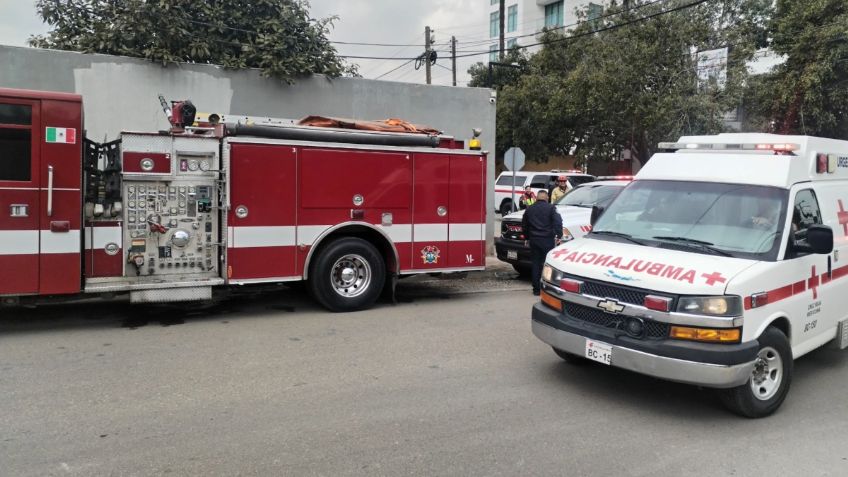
x,y
576,211
536,180
719,265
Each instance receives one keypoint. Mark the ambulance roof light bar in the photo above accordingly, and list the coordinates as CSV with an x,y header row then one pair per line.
x,y
710,146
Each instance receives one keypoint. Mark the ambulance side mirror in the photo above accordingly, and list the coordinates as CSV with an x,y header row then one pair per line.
x,y
596,213
820,239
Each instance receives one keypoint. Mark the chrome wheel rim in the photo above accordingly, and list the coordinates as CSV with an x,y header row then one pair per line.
x,y
350,275
767,374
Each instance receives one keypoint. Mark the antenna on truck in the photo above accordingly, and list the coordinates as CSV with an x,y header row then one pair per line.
x,y
165,107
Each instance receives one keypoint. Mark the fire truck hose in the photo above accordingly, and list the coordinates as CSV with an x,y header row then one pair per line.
x,y
310,134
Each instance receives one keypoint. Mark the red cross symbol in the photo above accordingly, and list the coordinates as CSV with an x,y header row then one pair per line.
x,y
714,277
560,253
843,217
813,282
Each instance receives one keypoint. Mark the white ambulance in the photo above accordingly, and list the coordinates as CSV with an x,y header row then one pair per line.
x,y
722,262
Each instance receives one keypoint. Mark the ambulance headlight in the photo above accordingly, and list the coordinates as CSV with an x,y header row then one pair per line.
x,y
710,305
551,274
547,273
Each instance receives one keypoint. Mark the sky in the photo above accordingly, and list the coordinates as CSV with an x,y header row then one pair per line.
x,y
396,22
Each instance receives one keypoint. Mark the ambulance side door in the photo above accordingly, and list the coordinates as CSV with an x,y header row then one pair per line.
x,y
812,297
833,200
20,207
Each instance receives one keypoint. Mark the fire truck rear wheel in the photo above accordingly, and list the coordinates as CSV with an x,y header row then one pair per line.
x,y
769,382
347,275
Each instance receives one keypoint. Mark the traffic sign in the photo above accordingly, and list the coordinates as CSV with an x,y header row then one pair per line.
x,y
514,159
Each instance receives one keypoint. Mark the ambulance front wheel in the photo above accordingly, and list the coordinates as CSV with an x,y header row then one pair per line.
x,y
769,382
347,275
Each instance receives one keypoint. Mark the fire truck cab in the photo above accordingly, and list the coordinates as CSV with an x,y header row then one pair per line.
x,y
171,215
721,263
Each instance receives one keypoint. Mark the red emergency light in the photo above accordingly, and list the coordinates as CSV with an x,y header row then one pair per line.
x,y
657,303
570,285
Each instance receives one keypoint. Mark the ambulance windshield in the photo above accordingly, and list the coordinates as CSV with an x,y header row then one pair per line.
x,y
723,219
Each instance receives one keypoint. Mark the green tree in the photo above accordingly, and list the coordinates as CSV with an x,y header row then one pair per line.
x,y
622,81
276,36
808,93
501,75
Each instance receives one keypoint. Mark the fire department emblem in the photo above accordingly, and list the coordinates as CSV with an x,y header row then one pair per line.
x,y
430,254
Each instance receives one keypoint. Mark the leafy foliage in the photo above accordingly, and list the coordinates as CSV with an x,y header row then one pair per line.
x,y
617,83
808,93
276,36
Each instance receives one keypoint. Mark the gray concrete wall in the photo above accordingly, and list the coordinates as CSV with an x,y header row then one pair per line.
x,y
121,94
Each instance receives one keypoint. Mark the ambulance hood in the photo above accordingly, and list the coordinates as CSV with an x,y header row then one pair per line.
x,y
651,268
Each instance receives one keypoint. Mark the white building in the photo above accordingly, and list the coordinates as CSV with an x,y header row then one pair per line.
x,y
525,18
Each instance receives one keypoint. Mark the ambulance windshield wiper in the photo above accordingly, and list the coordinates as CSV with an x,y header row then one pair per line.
x,y
617,234
702,244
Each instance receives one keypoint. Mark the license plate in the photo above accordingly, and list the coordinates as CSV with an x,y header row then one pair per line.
x,y
511,255
600,352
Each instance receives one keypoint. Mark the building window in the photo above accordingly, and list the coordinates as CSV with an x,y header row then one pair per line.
x,y
553,14
594,11
493,53
512,18
493,2
494,20
511,42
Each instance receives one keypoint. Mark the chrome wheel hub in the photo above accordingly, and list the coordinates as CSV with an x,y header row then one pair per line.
x,y
767,374
350,275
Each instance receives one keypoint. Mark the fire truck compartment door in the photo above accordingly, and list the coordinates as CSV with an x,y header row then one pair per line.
x,y
333,179
20,142
466,231
431,211
262,216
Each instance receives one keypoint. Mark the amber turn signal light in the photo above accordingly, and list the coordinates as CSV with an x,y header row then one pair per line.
x,y
728,335
551,301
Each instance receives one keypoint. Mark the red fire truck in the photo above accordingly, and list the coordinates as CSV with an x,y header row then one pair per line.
x,y
169,216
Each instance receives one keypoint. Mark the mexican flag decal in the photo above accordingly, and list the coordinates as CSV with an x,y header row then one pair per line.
x,y
61,135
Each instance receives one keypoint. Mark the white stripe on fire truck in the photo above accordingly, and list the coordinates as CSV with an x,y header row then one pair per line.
x,y
60,242
96,238
430,232
279,236
462,232
18,242
284,236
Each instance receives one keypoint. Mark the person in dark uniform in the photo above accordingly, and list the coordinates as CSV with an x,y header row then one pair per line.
x,y
543,229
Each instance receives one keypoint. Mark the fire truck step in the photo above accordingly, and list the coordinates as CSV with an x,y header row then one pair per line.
x,y
171,295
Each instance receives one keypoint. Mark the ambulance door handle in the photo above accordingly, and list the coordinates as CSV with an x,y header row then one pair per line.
x,y
50,191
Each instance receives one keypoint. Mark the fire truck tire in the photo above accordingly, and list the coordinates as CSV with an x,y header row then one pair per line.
x,y
570,358
347,275
769,382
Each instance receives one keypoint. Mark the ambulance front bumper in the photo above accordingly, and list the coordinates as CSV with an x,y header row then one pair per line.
x,y
735,370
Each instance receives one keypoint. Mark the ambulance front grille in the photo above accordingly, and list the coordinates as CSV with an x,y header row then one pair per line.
x,y
623,294
597,317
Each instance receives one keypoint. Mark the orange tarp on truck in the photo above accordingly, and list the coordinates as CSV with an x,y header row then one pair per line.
x,y
385,125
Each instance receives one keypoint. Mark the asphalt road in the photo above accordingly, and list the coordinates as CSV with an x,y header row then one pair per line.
x,y
440,384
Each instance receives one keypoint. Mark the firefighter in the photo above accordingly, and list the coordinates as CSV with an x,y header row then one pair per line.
x,y
560,189
527,199
543,229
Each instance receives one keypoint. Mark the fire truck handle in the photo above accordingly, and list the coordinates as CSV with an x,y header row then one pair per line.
x,y
50,191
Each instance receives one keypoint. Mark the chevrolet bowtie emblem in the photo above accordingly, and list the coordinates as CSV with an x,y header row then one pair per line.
x,y
611,306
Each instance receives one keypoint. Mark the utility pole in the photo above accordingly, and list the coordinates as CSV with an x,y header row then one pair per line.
x,y
453,58
502,30
427,53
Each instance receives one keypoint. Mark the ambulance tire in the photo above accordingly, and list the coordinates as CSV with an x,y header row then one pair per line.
x,y
347,275
742,400
570,358
506,207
